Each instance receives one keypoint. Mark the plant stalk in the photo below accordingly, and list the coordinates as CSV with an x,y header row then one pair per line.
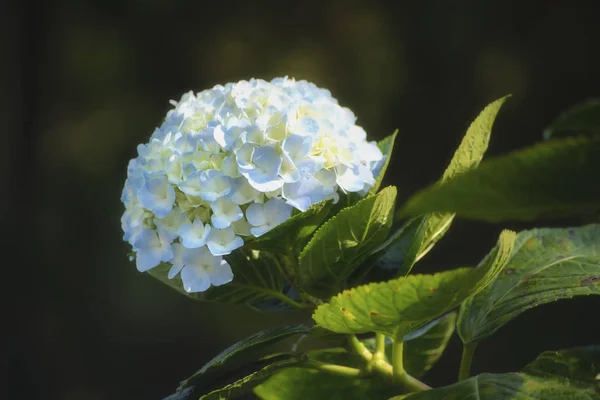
x,y
379,346
333,369
465,361
399,375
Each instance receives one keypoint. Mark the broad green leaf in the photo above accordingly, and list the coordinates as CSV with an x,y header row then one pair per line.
x,y
583,119
549,180
423,351
581,364
250,381
256,279
293,233
512,386
240,357
554,375
386,146
546,265
343,242
401,305
303,383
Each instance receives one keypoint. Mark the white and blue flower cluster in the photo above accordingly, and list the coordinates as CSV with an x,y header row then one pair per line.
x,y
233,161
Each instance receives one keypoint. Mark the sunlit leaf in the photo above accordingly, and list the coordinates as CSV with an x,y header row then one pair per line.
x,y
386,146
401,305
546,265
343,242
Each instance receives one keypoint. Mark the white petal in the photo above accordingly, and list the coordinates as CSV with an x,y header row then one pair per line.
x,y
194,279
256,215
223,241
225,212
194,235
245,193
157,195
243,155
174,270
222,274
259,230
146,259
349,179
277,211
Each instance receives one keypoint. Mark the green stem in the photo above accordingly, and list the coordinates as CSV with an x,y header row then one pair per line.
x,y
333,368
399,375
360,348
398,358
466,360
379,346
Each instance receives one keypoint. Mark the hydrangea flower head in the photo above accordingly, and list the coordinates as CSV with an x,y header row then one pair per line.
x,y
233,162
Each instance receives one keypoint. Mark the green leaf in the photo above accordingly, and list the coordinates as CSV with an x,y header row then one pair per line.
x,y
549,180
256,280
241,359
423,351
583,119
343,242
546,265
565,374
293,233
249,382
467,157
303,383
581,364
513,386
401,250
386,146
401,305
412,241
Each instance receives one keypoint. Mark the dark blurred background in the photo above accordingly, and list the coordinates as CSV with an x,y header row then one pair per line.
x,y
85,81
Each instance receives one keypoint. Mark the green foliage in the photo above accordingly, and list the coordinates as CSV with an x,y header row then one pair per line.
x,y
386,146
343,242
549,180
413,316
400,251
241,358
546,265
250,381
567,374
303,383
467,157
417,236
581,364
401,305
512,386
582,119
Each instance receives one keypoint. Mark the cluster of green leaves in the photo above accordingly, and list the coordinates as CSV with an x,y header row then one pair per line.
x,y
375,339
